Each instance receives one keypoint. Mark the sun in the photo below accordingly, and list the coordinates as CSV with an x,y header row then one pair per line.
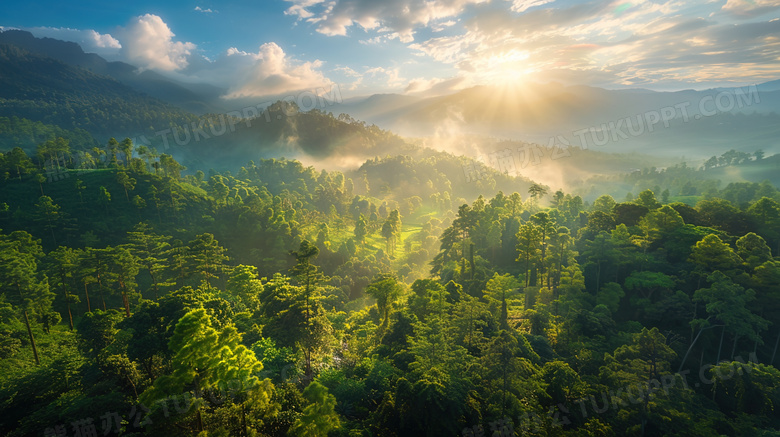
x,y
508,67
509,74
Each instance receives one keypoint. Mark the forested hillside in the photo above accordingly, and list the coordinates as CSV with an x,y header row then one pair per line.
x,y
43,89
406,297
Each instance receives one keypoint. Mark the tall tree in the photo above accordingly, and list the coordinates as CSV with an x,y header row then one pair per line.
x,y
753,249
537,190
728,302
386,290
766,213
49,213
206,257
126,182
711,254
244,284
391,230
361,229
104,198
113,148
319,417
19,254
63,263
528,238
308,276
124,266
546,227
152,251
204,358
96,266
126,147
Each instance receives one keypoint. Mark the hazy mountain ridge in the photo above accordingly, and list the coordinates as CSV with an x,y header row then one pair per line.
x,y
541,112
44,89
196,98
534,114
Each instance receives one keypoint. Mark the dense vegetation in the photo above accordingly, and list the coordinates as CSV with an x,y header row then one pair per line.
x,y
142,299
42,89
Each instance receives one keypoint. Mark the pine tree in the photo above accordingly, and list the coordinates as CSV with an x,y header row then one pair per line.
x,y
124,267
151,250
319,417
49,213
361,229
63,263
126,147
386,290
206,257
308,277
19,254
126,182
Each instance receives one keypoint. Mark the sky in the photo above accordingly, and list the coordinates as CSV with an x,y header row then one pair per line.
x,y
418,47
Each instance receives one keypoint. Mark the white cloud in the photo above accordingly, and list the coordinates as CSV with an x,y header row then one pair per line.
x,y
599,43
436,86
299,8
148,43
392,76
206,11
270,72
89,40
523,5
400,17
750,8
347,71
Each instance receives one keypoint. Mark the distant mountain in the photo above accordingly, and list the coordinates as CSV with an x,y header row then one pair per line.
x,y
56,83
58,89
378,105
689,121
770,86
196,98
44,89
283,131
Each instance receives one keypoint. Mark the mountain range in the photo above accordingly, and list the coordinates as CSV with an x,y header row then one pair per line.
x,y
57,83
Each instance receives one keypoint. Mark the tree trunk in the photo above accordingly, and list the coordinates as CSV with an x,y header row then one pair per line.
x,y
32,338
471,260
308,352
734,347
527,261
67,299
100,291
125,302
720,347
70,314
471,324
682,363
772,361
598,276
86,291
154,282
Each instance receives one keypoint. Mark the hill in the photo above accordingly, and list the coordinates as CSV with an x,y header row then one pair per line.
x,y
196,98
43,89
628,120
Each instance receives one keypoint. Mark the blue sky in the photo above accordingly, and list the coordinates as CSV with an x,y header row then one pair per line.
x,y
266,48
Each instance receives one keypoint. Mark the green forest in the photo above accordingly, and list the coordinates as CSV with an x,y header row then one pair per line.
x,y
405,297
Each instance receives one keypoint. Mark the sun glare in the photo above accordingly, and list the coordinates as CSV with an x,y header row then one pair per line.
x,y
507,67
511,74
